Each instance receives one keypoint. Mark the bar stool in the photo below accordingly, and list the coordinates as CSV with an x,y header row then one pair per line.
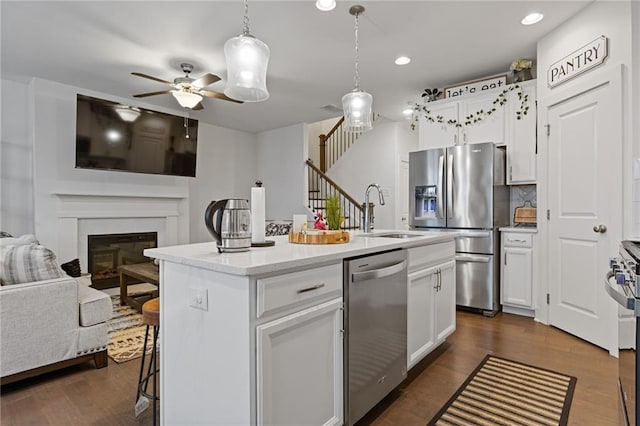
x,y
151,318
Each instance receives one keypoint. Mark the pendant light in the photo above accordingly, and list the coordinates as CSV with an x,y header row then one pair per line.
x,y
356,105
247,59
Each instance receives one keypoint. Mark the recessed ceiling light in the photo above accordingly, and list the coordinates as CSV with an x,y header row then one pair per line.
x,y
326,5
532,18
407,111
403,60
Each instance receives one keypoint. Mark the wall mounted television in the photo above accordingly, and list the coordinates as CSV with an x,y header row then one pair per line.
x,y
113,136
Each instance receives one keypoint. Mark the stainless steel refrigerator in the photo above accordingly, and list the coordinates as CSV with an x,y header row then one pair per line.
x,y
463,188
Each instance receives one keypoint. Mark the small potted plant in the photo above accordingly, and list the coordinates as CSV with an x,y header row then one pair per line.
x,y
521,69
334,220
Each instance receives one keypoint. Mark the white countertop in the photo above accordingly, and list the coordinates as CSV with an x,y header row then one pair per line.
x,y
285,255
521,229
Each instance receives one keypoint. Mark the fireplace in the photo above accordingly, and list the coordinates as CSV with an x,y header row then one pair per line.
x,y
109,251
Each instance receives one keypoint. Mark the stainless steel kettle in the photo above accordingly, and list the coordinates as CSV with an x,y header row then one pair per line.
x,y
232,226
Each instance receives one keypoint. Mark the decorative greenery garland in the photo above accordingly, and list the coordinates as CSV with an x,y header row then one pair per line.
x,y
475,117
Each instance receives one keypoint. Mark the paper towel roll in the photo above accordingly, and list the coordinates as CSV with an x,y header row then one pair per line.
x,y
257,213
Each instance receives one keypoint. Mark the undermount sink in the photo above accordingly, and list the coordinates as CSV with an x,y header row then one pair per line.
x,y
393,235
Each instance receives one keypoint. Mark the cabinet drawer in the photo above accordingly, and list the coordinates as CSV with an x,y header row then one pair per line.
x,y
298,288
516,239
421,257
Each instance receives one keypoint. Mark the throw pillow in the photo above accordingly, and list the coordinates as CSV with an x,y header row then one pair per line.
x,y
5,234
27,263
19,241
72,268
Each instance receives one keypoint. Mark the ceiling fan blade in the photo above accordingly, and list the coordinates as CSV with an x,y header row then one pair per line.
x,y
139,74
144,95
199,106
205,80
212,94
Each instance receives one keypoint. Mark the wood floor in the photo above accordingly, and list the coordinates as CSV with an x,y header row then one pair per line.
x,y
82,395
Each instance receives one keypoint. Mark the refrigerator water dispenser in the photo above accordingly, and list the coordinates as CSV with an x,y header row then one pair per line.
x,y
426,202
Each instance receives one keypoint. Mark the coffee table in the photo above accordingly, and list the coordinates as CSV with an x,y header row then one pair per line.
x,y
132,274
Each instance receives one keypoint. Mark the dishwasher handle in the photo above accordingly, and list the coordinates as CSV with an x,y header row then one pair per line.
x,y
472,258
378,273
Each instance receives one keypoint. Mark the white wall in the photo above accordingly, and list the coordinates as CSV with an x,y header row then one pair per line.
x,y
375,158
282,154
39,129
225,169
635,79
613,20
16,158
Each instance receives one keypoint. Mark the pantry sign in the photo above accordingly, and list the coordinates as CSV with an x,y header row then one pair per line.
x,y
585,58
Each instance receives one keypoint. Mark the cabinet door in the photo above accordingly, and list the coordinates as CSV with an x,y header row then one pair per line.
x,y
517,276
445,320
438,135
491,128
299,368
420,305
521,144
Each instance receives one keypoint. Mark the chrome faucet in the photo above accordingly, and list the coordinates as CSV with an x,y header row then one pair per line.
x,y
367,226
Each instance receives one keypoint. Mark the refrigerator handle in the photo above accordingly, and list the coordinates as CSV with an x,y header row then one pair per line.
x,y
439,200
450,185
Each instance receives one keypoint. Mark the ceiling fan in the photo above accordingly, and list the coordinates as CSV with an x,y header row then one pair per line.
x,y
187,91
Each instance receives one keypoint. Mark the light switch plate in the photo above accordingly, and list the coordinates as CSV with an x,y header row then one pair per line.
x,y
198,298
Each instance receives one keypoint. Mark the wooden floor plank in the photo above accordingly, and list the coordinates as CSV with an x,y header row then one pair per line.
x,y
82,395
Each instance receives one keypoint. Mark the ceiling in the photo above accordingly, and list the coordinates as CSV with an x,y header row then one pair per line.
x,y
95,45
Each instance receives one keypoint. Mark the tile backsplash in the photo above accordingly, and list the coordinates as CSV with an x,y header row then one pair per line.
x,y
520,195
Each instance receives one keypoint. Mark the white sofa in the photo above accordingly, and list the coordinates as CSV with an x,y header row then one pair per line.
x,y
50,324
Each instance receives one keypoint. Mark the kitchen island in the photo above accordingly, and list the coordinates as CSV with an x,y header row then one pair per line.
x,y
256,337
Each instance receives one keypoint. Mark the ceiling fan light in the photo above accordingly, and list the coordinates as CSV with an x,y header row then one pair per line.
x,y
326,5
357,109
186,99
127,114
247,59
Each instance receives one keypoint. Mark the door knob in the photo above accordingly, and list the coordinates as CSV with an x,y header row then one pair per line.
x,y
600,228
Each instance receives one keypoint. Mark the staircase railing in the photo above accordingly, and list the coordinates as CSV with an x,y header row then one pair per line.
x,y
334,144
321,186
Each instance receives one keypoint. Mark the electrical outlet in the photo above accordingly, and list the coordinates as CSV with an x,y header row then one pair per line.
x,y
198,298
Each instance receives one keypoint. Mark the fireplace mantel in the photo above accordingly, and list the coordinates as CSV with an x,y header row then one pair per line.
x,y
80,214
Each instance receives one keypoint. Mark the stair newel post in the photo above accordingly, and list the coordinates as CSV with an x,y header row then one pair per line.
x,y
323,153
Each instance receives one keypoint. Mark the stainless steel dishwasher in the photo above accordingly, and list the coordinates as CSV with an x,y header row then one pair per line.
x,y
375,297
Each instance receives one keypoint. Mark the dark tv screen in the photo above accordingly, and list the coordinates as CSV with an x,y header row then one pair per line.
x,y
113,136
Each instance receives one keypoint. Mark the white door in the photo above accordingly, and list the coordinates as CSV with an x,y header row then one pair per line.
x,y
420,304
584,194
517,276
445,319
299,368
491,128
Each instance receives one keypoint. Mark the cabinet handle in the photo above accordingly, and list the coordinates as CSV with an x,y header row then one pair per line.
x,y
510,173
505,257
464,137
314,287
455,139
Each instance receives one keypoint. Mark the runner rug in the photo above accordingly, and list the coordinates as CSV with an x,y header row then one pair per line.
x,y
504,392
126,333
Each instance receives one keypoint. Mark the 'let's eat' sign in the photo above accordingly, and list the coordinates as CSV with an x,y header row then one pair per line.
x,y
589,56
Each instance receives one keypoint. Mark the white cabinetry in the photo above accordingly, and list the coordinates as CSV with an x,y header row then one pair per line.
x,y
517,273
299,355
431,300
299,367
521,140
490,128
501,127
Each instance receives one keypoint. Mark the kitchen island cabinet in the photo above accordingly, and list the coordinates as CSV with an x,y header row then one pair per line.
x,y
256,337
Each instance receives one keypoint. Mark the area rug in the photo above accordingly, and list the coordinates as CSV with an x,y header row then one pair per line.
x,y
126,333
504,392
